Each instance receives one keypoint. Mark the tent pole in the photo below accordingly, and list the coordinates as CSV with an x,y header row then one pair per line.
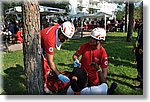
x,y
105,22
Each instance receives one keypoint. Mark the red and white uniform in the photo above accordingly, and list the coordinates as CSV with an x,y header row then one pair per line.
x,y
89,55
50,39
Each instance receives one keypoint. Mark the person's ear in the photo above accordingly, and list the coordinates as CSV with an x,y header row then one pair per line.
x,y
74,78
98,41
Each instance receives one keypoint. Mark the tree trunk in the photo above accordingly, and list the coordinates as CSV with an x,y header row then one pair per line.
x,y
32,47
130,25
141,10
126,16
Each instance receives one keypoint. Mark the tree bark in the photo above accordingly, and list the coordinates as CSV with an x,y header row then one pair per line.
x,y
130,25
32,47
126,17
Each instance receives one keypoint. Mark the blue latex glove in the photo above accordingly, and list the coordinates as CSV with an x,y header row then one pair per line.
x,y
76,63
63,78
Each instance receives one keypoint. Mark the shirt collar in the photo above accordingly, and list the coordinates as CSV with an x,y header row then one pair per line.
x,y
58,43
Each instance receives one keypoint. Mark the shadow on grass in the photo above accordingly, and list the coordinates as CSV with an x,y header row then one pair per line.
x,y
125,83
121,82
14,81
121,76
116,62
118,47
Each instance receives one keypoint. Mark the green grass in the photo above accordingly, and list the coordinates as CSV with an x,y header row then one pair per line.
x,y
122,67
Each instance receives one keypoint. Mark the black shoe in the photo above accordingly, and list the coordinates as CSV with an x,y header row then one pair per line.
x,y
113,86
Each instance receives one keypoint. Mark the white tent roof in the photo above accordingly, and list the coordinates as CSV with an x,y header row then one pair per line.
x,y
86,15
43,9
80,14
100,14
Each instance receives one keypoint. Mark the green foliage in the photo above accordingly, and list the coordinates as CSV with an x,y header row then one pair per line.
x,y
138,12
122,66
10,4
119,14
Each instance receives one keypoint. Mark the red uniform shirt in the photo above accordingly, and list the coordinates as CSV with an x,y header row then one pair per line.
x,y
48,36
88,55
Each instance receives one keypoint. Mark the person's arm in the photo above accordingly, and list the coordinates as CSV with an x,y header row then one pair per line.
x,y
104,73
104,65
76,62
101,76
52,65
75,56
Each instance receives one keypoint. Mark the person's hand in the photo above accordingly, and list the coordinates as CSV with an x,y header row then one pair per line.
x,y
63,78
76,63
95,65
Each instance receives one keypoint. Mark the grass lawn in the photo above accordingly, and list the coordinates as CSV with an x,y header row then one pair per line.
x,y
122,66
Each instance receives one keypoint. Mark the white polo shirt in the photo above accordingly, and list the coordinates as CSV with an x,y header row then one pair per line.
x,y
93,90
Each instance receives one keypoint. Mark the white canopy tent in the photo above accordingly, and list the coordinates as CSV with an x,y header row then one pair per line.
x,y
43,9
103,14
79,14
100,14
48,12
96,15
